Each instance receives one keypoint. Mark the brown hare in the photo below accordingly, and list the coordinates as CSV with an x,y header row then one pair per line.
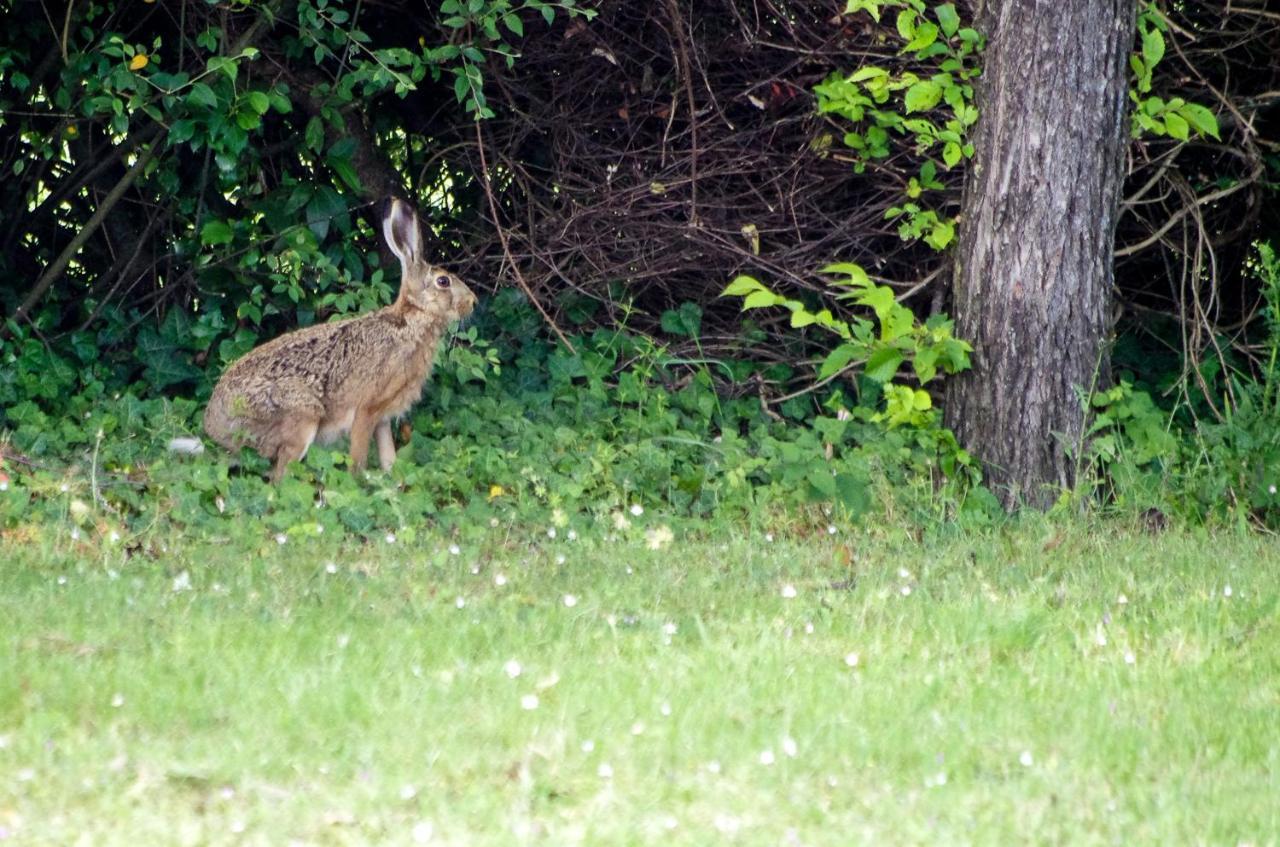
x,y
350,376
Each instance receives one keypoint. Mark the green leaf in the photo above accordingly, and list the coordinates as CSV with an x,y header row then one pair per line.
x,y
202,95
948,19
216,232
741,286
926,34
760,299
1204,121
907,24
314,136
951,154
854,494
514,23
856,275
1152,47
865,73
258,101
923,96
839,358
1177,126
883,364
801,318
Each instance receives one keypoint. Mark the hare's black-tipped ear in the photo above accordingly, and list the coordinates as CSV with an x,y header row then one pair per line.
x,y
400,228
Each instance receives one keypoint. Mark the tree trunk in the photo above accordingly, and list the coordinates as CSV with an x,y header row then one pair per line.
x,y
1033,266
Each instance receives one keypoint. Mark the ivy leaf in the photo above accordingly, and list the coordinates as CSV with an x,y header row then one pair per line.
x,y
923,96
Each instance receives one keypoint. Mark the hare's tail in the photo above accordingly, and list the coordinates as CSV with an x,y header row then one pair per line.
x,y
186,446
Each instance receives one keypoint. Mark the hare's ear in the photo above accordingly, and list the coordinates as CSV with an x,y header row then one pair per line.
x,y
400,228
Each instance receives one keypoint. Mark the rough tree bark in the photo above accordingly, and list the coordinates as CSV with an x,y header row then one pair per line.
x,y
1033,272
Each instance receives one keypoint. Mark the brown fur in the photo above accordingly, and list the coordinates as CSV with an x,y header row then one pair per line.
x,y
351,376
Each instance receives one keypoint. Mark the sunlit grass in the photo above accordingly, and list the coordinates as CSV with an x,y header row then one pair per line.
x,y
1074,685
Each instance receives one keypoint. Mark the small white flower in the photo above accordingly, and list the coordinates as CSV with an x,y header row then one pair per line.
x,y
665,710
1025,759
529,702
629,572
461,602
570,601
588,746
1271,489
1129,658
768,536
669,628
343,640
281,538
391,538
831,529
113,537
905,590
26,774
493,522
788,591
637,510
713,766
1100,636
637,728
75,533
455,550
331,567
1226,591
551,532
604,771
182,582
408,792
117,700
851,659
766,758
64,488
560,559
789,747
808,628
727,824
903,573
512,668
4,485
1122,600
499,579
422,832
571,535
62,580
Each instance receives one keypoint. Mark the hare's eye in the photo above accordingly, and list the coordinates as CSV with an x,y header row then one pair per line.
x,y
442,281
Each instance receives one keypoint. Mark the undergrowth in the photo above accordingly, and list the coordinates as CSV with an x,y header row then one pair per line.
x,y
513,429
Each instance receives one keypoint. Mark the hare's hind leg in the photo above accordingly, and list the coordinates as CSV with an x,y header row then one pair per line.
x,y
386,446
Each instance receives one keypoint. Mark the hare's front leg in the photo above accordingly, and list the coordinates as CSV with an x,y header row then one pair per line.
x,y
386,446
361,429
293,436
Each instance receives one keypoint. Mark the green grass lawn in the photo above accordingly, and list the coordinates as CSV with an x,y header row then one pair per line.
x,y
1035,685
